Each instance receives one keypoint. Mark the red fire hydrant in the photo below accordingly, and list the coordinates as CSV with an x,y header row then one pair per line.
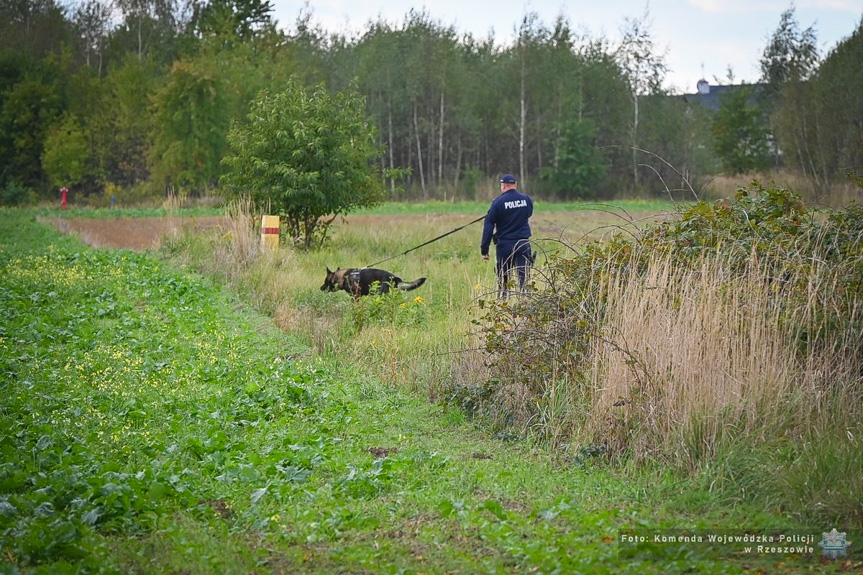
x,y
63,193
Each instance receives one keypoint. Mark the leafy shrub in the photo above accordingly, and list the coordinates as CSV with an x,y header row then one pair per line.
x,y
15,194
579,164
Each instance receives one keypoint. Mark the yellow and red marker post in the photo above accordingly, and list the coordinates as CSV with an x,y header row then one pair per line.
x,y
270,232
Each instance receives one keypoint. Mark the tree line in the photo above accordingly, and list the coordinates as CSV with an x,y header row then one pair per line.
x,y
137,98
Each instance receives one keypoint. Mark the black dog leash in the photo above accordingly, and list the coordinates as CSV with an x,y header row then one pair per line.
x,y
429,242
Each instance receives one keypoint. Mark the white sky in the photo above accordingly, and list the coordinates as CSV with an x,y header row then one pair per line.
x,y
702,38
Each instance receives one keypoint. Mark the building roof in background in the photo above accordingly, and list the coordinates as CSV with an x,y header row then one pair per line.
x,y
711,96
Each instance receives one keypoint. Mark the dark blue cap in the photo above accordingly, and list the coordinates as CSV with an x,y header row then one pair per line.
x,y
507,179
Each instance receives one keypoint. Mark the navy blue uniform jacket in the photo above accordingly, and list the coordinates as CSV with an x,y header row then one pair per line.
x,y
510,212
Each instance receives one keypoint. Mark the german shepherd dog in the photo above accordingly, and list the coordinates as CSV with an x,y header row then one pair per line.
x,y
359,282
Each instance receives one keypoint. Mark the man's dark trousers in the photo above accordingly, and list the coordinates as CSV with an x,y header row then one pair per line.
x,y
512,254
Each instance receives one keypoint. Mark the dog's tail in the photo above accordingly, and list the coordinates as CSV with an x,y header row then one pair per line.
x,y
408,286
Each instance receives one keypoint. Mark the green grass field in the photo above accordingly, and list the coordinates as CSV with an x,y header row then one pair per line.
x,y
155,421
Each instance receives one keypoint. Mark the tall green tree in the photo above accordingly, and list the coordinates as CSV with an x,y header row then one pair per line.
x,y
561,63
189,130
741,133
309,155
529,53
126,124
33,27
428,50
475,94
788,62
644,67
67,153
677,144
377,74
791,54
92,22
603,96
30,108
307,46
238,19
155,29
578,163
837,94
193,108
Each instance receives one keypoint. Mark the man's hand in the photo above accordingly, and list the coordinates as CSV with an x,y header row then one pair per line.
x,y
485,257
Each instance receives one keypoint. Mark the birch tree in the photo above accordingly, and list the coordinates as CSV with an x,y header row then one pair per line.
x,y
645,69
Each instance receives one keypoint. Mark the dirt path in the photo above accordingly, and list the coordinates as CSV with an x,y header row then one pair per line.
x,y
130,233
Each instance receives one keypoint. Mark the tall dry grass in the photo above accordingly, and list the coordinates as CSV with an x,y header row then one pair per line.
x,y
716,370
689,357
233,253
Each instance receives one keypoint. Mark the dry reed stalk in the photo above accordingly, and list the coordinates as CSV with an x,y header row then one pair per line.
x,y
698,352
245,245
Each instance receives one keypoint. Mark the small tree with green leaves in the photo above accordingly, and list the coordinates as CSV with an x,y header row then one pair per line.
x,y
308,154
66,153
742,137
190,126
579,163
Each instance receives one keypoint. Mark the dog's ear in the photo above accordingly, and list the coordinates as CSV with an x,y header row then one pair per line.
x,y
328,270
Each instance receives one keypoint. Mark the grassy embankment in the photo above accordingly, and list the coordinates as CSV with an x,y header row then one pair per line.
x,y
421,343
152,422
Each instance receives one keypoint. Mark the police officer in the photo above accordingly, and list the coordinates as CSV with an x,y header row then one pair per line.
x,y
507,219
